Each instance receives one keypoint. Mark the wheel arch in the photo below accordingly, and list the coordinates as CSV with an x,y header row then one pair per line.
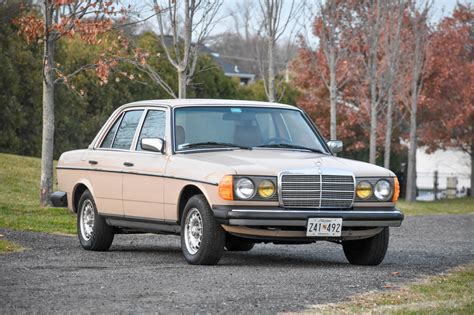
x,y
186,193
77,192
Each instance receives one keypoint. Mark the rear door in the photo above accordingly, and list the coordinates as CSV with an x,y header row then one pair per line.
x,y
106,162
143,174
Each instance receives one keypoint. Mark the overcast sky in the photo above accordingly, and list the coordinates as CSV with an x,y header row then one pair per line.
x,y
441,8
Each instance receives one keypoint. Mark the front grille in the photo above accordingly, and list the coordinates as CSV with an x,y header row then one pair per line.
x,y
317,191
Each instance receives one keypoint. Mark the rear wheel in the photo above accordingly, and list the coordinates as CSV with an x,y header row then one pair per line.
x,y
202,238
237,244
370,251
92,230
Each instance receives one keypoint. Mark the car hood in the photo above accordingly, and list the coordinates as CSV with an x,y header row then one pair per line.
x,y
271,162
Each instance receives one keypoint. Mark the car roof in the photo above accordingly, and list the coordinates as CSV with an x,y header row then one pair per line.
x,y
203,102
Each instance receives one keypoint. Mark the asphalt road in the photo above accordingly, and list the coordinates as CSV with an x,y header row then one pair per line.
x,y
146,273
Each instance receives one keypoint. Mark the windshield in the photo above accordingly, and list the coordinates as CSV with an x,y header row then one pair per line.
x,y
244,128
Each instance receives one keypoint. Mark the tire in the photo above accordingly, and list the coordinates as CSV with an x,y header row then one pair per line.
x,y
370,251
237,244
97,236
202,238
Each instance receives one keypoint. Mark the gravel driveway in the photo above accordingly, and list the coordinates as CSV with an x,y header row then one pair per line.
x,y
146,273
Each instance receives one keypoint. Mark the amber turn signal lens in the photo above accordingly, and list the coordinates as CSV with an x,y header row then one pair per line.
x,y
396,189
226,188
364,190
266,189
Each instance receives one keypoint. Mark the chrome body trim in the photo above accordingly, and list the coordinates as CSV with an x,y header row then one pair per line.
x,y
315,212
303,223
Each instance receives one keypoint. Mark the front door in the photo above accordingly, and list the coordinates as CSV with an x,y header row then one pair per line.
x,y
143,171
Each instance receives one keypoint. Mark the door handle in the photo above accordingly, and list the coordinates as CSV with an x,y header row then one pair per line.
x,y
93,162
129,164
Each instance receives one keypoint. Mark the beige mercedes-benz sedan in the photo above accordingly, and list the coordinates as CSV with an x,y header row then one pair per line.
x,y
225,175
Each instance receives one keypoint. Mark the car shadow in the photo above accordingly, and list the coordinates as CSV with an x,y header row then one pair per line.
x,y
145,249
259,259
254,258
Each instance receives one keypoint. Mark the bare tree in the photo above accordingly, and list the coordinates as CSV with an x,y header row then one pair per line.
x,y
331,28
239,44
392,50
373,14
420,32
187,36
274,22
242,15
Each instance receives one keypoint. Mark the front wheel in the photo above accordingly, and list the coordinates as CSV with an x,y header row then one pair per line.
x,y
369,252
202,238
93,232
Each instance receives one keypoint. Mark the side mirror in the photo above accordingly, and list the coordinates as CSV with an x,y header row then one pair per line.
x,y
335,146
153,144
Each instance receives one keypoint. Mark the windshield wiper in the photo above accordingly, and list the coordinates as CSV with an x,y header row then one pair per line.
x,y
289,146
213,144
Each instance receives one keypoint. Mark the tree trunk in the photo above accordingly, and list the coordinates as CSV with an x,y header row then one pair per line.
x,y
271,72
373,123
182,84
472,169
47,148
388,130
333,97
411,173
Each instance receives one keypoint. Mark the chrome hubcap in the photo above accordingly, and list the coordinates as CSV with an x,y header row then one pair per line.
x,y
193,231
87,219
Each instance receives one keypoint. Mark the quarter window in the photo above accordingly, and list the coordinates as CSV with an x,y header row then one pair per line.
x,y
153,126
126,131
110,136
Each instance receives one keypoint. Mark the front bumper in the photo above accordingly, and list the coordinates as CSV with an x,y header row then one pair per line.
x,y
280,217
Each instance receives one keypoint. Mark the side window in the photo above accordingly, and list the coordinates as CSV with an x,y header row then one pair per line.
x,y
153,126
110,136
126,131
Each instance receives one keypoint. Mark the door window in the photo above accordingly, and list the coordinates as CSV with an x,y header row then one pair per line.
x,y
125,133
153,126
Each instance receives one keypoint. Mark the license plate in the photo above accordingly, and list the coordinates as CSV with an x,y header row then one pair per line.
x,y
324,227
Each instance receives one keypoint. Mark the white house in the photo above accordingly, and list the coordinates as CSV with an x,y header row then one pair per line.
x,y
449,163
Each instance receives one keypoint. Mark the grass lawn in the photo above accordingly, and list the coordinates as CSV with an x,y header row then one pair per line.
x,y
19,199
445,294
445,206
7,246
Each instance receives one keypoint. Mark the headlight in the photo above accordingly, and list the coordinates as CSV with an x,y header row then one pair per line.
x,y
244,188
364,190
382,190
266,188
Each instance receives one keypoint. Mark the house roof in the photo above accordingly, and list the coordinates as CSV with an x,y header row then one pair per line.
x,y
230,67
